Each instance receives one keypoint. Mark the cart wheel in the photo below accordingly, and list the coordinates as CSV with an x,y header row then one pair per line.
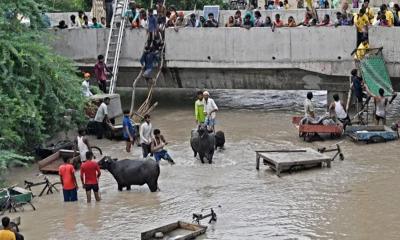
x,y
54,186
341,156
376,139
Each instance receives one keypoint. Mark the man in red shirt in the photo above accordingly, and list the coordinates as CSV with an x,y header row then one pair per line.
x,y
100,70
68,181
90,174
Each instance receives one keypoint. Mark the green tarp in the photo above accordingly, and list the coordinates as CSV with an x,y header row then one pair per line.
x,y
375,75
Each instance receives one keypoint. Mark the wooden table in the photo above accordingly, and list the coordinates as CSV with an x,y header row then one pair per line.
x,y
283,160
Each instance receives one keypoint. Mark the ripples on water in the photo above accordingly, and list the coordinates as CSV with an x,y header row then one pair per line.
x,y
290,100
254,204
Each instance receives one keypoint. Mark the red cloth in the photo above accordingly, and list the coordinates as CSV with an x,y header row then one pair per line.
x,y
100,71
66,172
89,171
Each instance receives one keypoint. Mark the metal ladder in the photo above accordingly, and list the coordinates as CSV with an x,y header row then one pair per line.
x,y
115,38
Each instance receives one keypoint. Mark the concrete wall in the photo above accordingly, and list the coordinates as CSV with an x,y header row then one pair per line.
x,y
388,39
325,49
289,58
84,45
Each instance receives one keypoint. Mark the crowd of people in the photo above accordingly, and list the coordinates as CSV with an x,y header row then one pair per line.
x,y
82,21
161,16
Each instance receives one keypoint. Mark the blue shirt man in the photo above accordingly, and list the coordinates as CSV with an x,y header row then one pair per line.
x,y
128,131
152,21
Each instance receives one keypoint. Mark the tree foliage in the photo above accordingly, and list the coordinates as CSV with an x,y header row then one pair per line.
x,y
37,87
68,5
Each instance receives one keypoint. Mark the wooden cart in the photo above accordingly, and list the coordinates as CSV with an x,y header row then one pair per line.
x,y
287,160
371,134
308,131
54,161
177,231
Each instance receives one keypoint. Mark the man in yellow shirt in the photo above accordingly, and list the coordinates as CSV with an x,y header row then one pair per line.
x,y
388,14
368,11
7,233
361,50
361,21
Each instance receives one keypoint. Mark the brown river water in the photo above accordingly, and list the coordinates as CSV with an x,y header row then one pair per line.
x,y
355,199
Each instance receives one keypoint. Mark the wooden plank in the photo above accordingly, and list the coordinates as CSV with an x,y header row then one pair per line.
x,y
43,163
281,151
148,235
195,230
281,161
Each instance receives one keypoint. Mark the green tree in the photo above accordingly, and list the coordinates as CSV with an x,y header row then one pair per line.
x,y
37,87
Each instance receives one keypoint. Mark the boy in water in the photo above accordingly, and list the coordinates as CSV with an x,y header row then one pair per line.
x,y
199,109
157,147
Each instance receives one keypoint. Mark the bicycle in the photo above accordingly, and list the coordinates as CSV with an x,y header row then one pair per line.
x,y
8,202
50,187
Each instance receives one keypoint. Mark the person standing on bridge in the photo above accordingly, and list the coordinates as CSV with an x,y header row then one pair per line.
x,y
100,70
108,6
210,109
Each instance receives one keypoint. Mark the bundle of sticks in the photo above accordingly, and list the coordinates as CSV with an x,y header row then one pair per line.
x,y
147,105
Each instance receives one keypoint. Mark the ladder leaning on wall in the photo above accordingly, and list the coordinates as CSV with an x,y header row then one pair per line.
x,y
115,38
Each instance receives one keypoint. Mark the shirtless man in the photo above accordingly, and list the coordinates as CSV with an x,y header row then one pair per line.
x,y
380,105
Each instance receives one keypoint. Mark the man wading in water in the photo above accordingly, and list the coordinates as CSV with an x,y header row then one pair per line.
x,y
101,118
380,105
199,109
90,174
157,147
210,108
146,135
82,144
68,181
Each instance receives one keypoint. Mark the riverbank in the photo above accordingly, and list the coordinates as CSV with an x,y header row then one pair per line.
x,y
355,199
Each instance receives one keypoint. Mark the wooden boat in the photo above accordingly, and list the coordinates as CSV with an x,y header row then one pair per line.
x,y
175,231
54,161
306,131
371,134
45,151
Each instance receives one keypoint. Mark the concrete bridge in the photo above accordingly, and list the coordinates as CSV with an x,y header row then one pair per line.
x,y
316,58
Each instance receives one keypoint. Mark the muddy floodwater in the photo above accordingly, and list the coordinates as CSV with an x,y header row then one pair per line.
x,y
357,198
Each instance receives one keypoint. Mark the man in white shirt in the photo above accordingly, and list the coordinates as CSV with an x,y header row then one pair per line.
x,y
101,118
309,107
210,109
86,87
146,135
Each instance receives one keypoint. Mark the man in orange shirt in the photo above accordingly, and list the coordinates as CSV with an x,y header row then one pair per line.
x,y
68,181
90,174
